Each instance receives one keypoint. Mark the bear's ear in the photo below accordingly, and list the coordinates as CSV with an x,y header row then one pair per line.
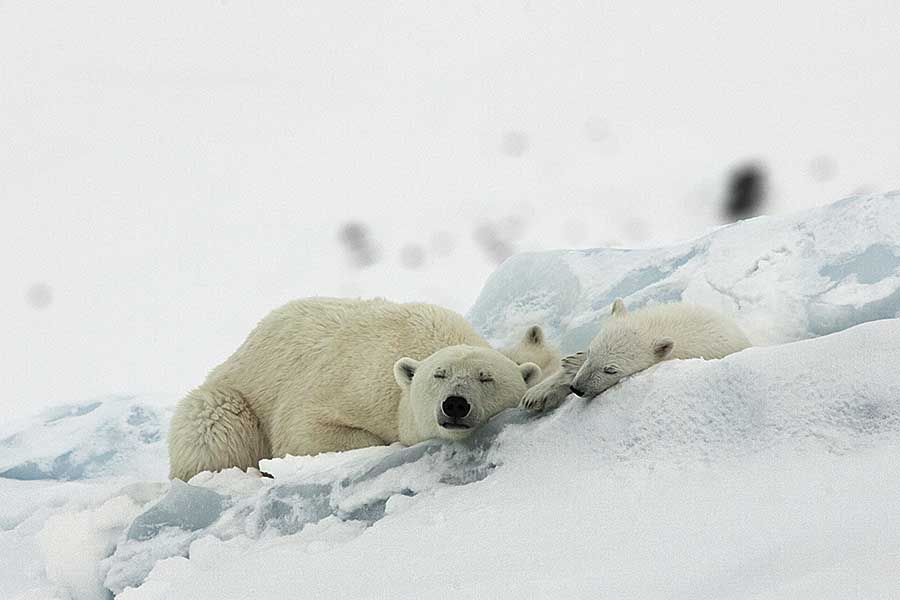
x,y
534,335
663,347
404,369
618,309
531,373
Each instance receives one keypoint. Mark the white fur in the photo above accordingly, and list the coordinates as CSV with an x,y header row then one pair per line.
x,y
631,342
532,347
318,375
550,392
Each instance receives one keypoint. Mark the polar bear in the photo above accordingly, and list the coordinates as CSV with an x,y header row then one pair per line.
x,y
631,342
533,347
328,374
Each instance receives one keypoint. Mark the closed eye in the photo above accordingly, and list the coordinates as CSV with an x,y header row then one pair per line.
x,y
610,370
440,375
485,378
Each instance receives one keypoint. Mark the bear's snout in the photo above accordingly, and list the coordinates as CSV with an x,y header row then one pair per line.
x,y
456,407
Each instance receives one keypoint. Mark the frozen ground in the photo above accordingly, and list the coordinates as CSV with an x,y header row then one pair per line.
x,y
769,474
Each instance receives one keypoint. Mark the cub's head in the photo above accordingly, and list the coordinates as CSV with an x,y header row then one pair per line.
x,y
619,350
458,388
533,348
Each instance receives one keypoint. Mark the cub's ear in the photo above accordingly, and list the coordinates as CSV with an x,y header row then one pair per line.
x,y
663,347
534,335
531,373
618,309
404,369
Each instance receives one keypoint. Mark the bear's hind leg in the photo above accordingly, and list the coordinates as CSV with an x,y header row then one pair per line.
x,y
213,429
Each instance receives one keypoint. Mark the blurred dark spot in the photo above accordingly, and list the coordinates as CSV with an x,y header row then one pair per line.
x,y
822,168
412,256
596,129
358,245
492,243
510,227
497,238
442,243
746,192
39,296
515,143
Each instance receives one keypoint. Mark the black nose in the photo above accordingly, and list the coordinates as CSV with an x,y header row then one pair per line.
x,y
575,391
456,407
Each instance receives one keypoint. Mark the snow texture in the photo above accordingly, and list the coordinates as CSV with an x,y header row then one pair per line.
x,y
110,436
782,278
355,486
742,427
771,473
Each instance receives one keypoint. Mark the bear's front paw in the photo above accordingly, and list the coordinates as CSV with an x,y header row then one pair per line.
x,y
543,397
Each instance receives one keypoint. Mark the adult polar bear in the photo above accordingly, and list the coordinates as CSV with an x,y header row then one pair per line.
x,y
327,374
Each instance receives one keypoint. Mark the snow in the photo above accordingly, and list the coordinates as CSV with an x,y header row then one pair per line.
x,y
781,278
53,534
771,473
115,435
74,542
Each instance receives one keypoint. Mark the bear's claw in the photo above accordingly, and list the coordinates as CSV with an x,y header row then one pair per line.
x,y
551,392
541,398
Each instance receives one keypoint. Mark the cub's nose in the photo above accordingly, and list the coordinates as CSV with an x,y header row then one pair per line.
x,y
576,391
455,407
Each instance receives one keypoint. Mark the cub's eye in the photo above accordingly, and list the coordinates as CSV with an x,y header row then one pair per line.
x,y
485,378
440,375
610,370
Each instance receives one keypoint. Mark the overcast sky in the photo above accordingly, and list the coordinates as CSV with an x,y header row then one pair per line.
x,y
171,171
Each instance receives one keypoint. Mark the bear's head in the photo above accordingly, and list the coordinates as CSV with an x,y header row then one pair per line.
x,y
456,389
619,350
533,348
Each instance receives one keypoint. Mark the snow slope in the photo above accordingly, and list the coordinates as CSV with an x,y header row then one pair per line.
x,y
113,436
769,474
781,278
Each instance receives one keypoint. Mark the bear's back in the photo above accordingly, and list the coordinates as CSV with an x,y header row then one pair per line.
x,y
698,331
339,355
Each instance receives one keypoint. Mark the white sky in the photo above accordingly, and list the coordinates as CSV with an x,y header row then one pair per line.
x,y
172,171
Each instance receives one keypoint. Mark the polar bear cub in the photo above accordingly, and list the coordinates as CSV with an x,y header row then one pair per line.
x,y
630,342
533,347
327,374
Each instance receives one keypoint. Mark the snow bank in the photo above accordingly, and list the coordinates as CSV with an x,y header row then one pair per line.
x,y
756,473
72,479
53,534
362,487
118,435
769,474
782,278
